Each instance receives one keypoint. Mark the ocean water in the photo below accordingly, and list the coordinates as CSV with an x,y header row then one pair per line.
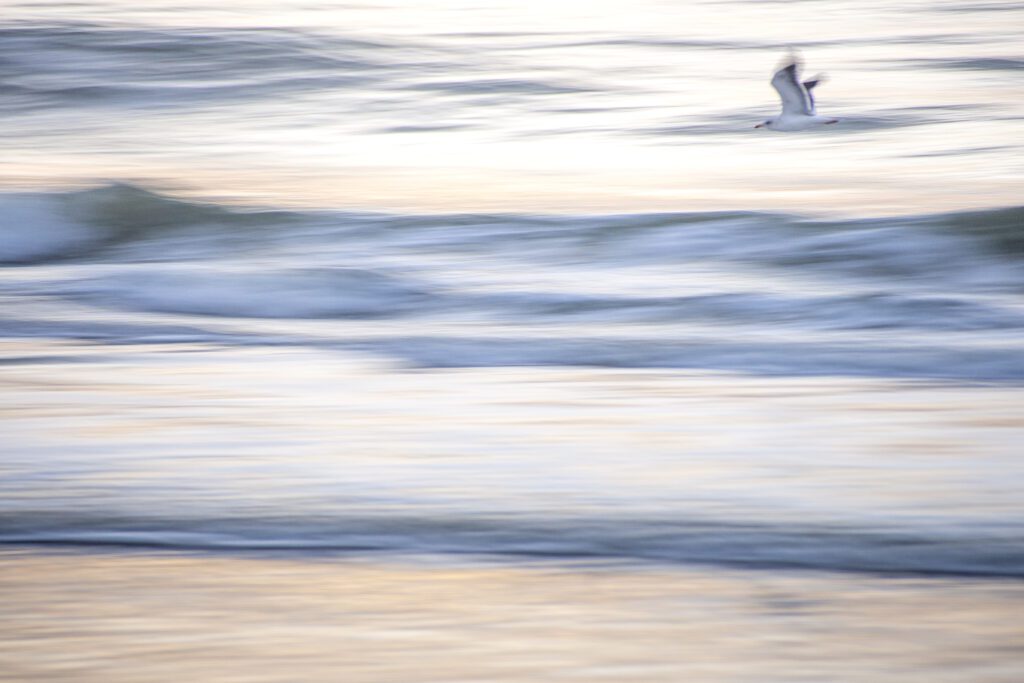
x,y
403,342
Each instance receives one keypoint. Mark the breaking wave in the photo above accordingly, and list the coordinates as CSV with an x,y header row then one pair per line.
x,y
930,296
62,225
42,226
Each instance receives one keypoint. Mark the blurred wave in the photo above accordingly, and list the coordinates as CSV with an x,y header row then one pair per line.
x,y
946,552
68,224
977,63
947,285
72,65
310,293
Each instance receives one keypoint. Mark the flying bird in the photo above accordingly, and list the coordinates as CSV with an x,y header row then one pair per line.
x,y
798,111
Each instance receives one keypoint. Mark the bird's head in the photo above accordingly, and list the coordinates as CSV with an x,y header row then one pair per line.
x,y
764,124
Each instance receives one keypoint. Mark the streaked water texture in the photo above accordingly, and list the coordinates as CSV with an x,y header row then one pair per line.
x,y
574,106
448,341
931,297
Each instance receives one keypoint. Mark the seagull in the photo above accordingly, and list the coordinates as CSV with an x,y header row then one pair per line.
x,y
798,111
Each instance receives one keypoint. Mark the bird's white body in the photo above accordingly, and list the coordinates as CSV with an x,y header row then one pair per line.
x,y
798,122
798,108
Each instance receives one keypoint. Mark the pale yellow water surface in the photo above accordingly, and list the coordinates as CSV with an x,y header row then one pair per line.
x,y
158,618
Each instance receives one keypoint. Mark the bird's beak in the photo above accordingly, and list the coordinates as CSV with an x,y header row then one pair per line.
x,y
760,125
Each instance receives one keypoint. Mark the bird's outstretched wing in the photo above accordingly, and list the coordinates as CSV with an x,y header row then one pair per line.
x,y
809,89
795,97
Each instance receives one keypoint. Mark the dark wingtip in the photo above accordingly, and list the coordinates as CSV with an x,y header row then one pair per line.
x,y
791,64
